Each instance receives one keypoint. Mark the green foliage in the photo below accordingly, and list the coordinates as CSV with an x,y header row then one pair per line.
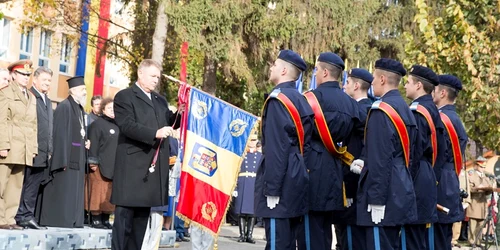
x,y
461,38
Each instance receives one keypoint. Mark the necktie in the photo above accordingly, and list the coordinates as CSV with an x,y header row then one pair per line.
x,y
25,94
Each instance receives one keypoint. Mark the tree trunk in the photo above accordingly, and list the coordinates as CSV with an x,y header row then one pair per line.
x,y
209,75
160,35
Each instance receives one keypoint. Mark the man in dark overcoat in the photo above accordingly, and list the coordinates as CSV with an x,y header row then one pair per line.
x,y
33,175
62,198
145,122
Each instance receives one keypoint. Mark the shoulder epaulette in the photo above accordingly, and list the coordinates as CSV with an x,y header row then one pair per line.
x,y
275,93
376,104
414,106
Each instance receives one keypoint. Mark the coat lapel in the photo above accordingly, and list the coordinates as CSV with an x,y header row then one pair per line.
x,y
141,95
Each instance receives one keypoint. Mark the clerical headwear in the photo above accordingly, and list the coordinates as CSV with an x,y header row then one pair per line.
x,y
75,81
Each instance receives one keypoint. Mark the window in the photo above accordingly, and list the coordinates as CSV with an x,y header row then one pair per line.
x,y
65,54
43,58
26,44
4,37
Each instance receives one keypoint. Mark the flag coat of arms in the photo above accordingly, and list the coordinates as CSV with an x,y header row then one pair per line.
x,y
215,139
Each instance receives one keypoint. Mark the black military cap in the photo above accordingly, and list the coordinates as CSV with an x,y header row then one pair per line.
x,y
451,81
424,73
293,58
75,81
362,74
390,65
331,58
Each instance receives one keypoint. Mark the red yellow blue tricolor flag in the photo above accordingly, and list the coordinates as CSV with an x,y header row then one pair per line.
x,y
215,135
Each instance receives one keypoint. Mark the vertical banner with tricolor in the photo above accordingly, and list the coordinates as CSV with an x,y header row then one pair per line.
x,y
216,136
91,59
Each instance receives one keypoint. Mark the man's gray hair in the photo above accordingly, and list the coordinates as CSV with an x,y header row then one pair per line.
x,y
41,70
148,63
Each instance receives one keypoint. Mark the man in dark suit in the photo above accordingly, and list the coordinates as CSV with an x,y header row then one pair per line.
x,y
386,198
281,185
33,175
145,122
341,113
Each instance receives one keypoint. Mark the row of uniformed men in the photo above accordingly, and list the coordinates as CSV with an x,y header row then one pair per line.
x,y
384,187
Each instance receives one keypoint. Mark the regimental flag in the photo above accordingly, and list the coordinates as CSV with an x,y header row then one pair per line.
x,y
215,139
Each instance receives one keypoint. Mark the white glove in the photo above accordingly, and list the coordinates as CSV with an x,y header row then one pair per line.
x,y
349,202
176,170
378,212
357,165
235,193
272,201
465,205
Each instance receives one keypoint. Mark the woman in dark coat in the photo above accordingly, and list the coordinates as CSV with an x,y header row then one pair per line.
x,y
103,135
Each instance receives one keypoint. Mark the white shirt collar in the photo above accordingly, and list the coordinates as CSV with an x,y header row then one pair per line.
x,y
147,94
359,99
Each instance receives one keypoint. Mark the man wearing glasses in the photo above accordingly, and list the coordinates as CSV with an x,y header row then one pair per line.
x,y
18,139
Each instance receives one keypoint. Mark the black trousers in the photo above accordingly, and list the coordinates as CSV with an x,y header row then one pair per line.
x,y
316,231
415,236
33,176
350,237
281,233
442,236
383,238
129,227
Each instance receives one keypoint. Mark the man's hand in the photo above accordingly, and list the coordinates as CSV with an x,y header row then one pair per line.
x,y
164,132
93,167
87,144
349,202
4,153
378,212
181,108
272,201
357,166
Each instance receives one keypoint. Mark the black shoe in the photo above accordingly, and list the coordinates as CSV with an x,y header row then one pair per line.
x,y
186,234
105,221
96,222
31,224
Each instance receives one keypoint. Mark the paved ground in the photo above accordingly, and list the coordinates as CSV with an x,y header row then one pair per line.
x,y
229,235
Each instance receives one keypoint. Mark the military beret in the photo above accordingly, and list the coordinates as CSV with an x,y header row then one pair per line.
x,y
331,58
424,73
451,81
21,66
293,58
390,65
362,74
75,81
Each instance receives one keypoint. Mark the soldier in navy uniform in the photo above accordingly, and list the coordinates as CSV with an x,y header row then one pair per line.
x,y
448,189
245,189
281,187
357,85
420,85
325,169
385,199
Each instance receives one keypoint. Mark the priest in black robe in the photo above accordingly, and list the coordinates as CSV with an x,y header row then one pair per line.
x,y
63,195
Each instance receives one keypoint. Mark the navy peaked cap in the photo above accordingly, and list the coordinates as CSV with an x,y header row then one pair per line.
x,y
293,58
391,66
424,73
362,74
332,58
451,81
